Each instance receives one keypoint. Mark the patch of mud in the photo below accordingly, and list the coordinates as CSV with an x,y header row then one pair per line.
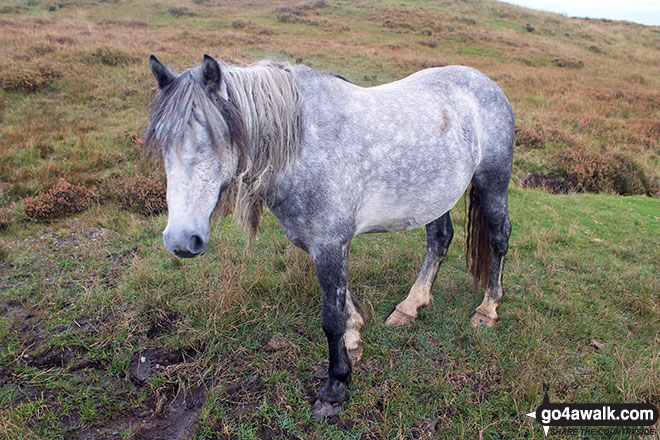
x,y
163,325
176,421
25,323
164,417
51,357
148,363
242,397
40,355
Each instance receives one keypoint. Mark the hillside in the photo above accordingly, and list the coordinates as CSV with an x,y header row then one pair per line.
x,y
233,340
76,84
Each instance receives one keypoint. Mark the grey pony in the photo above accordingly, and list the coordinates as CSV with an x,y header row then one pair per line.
x,y
332,160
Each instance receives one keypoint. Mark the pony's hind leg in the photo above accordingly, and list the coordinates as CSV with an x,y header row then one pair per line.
x,y
438,237
492,213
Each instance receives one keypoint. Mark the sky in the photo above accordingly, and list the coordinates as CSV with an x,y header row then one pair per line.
x,y
640,11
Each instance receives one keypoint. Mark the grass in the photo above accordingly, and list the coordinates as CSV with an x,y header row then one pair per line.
x,y
113,291
237,332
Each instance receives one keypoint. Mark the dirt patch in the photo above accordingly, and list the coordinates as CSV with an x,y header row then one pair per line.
x,y
51,357
242,397
268,433
148,363
169,414
177,421
163,325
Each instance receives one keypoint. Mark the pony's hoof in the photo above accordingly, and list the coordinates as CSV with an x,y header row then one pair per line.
x,y
399,318
479,320
322,409
355,354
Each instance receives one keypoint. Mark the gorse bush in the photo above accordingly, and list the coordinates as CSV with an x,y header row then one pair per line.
x,y
61,200
39,76
141,194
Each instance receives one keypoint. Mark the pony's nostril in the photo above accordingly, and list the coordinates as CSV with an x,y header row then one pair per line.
x,y
195,244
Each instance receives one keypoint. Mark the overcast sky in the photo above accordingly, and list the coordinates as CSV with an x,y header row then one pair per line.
x,y
639,11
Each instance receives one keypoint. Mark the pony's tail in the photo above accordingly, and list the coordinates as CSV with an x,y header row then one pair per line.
x,y
479,254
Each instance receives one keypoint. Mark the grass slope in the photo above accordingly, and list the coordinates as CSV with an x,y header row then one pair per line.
x,y
237,332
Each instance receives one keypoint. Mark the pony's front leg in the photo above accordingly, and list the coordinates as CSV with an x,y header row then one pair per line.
x,y
331,264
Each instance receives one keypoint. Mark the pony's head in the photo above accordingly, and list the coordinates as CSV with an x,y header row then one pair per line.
x,y
200,135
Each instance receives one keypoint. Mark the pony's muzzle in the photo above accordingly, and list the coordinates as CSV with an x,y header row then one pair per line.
x,y
184,244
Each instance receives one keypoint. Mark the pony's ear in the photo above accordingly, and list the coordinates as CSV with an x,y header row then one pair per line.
x,y
211,73
163,74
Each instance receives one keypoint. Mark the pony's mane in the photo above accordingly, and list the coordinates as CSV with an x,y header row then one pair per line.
x,y
263,117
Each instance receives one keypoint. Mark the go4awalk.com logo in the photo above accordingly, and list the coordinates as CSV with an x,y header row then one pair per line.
x,y
592,418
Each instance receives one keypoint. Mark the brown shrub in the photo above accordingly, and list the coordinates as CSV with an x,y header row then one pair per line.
x,y
6,216
589,171
398,26
12,9
110,56
43,49
302,9
530,137
134,139
239,24
311,6
61,40
142,194
647,127
63,199
596,49
181,11
568,63
625,176
34,78
134,23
